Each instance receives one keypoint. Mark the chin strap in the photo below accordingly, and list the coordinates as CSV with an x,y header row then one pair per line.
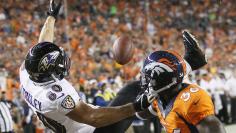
x,y
44,83
54,78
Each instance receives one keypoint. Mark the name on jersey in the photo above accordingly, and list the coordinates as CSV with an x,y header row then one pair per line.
x,y
29,98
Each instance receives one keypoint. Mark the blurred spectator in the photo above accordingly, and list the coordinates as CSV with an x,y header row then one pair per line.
x,y
3,79
6,122
219,88
103,96
28,122
205,82
90,90
80,91
231,87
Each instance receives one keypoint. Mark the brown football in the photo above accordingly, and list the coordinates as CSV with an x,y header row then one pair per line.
x,y
123,49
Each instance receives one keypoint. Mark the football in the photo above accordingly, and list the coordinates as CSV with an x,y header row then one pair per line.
x,y
123,50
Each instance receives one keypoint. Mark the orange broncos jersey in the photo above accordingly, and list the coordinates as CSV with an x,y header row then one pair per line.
x,y
185,111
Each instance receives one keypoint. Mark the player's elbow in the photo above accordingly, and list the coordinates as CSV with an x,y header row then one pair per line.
x,y
211,124
216,124
96,120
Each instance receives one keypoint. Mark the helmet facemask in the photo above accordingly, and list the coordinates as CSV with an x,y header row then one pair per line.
x,y
162,74
62,66
158,83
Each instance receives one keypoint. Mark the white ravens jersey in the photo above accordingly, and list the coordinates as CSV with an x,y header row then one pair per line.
x,y
52,102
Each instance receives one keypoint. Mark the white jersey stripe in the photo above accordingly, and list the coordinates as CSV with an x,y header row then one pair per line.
x,y
7,105
6,117
2,120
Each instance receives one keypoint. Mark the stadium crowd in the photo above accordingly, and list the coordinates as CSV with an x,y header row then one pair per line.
x,y
88,28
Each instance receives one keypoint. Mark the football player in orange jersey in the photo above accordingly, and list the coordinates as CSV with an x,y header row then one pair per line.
x,y
194,59
181,107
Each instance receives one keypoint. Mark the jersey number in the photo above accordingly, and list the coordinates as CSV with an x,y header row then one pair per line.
x,y
51,124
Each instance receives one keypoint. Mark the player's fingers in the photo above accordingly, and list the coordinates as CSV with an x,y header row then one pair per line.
x,y
52,5
186,36
189,37
187,41
193,39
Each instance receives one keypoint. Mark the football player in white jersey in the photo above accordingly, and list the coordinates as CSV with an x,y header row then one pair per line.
x,y
53,98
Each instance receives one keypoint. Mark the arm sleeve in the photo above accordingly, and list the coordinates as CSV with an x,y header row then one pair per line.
x,y
201,106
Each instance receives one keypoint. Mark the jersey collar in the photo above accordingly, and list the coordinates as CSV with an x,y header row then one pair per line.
x,y
168,107
44,83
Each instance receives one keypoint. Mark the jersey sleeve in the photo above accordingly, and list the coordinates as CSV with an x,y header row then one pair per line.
x,y
200,106
69,98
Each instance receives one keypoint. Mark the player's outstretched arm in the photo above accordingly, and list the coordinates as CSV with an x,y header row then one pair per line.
x,y
99,117
211,124
47,32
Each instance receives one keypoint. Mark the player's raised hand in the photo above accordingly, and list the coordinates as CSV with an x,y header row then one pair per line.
x,y
54,8
143,101
193,54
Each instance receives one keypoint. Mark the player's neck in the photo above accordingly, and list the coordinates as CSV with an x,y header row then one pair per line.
x,y
166,98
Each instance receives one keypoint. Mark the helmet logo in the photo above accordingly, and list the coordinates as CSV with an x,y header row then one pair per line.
x,y
157,67
48,60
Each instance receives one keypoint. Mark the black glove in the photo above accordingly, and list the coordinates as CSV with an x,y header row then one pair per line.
x,y
193,54
143,101
54,9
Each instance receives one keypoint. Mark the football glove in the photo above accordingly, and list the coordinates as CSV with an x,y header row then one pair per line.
x,y
143,101
193,54
54,8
